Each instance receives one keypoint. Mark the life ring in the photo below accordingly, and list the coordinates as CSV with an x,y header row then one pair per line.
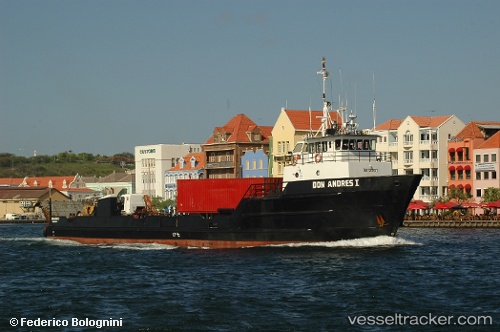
x,y
317,157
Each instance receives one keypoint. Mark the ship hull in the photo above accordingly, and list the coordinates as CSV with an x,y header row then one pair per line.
x,y
304,212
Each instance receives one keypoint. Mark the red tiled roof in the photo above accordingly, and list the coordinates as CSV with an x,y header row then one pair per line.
x,y
57,182
430,121
492,142
472,130
11,181
391,124
237,130
305,120
200,158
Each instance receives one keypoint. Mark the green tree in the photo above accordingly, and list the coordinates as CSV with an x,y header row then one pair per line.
x,y
491,194
160,204
458,194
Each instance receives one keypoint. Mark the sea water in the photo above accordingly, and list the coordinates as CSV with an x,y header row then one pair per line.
x,y
423,279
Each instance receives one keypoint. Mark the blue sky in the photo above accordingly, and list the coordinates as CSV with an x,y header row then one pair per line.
x,y
104,76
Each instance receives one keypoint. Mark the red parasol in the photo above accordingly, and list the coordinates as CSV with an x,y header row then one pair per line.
x,y
445,206
417,205
495,204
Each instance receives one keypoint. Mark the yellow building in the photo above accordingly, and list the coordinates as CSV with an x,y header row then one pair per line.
x,y
418,144
291,127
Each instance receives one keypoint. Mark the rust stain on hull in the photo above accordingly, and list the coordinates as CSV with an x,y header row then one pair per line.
x,y
211,244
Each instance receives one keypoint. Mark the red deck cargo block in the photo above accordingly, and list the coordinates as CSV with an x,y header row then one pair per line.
x,y
210,195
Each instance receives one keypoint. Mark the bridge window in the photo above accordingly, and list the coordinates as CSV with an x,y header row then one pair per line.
x,y
352,144
298,147
338,144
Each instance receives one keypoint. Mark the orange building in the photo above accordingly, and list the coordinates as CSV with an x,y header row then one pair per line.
x,y
460,154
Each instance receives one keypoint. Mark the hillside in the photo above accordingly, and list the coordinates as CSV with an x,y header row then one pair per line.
x,y
65,163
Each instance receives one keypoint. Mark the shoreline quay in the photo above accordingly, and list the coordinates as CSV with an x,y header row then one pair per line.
x,y
22,221
452,223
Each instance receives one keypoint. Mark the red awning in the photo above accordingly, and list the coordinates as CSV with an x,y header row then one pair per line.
x,y
470,204
451,168
451,150
460,168
451,186
468,186
460,186
459,149
467,167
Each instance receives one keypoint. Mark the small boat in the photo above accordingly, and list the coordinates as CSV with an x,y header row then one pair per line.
x,y
334,188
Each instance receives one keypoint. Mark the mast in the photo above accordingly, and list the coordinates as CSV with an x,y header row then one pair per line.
x,y
325,118
374,107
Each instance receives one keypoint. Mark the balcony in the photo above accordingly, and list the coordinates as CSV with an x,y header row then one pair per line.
x,y
220,164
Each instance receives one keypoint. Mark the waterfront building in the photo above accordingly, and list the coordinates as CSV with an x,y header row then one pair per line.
x,y
72,186
151,162
419,144
486,166
228,144
113,183
254,164
191,166
461,150
21,202
291,127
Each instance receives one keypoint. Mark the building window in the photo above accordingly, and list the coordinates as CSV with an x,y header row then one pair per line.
x,y
452,175
486,175
493,158
478,192
478,158
478,175
467,174
408,138
486,158
408,156
494,175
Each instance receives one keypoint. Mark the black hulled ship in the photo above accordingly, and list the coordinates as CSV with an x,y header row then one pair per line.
x,y
334,188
